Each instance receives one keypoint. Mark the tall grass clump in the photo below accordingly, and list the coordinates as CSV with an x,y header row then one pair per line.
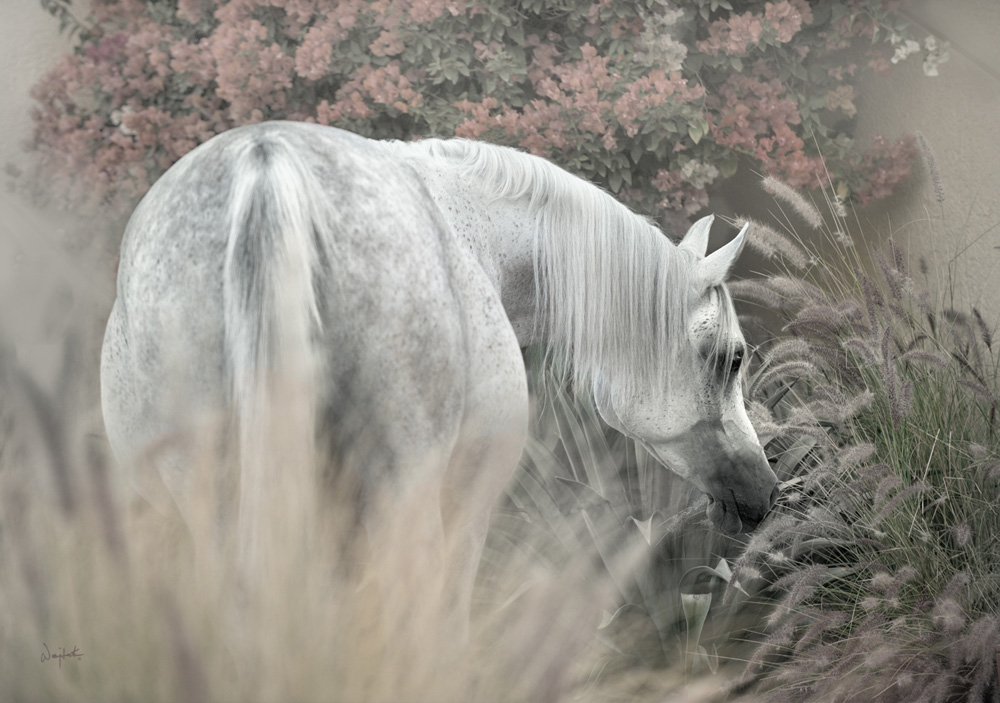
x,y
883,554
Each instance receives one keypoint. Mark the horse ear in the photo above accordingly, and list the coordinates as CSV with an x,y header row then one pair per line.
x,y
696,239
713,269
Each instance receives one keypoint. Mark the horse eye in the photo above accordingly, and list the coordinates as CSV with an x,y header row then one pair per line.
x,y
737,362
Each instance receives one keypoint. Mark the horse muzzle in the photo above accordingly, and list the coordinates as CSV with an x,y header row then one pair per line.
x,y
732,518
731,470
741,506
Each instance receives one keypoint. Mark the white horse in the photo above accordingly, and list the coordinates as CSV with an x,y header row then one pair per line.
x,y
395,284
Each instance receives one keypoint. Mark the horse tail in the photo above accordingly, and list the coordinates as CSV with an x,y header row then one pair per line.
x,y
271,320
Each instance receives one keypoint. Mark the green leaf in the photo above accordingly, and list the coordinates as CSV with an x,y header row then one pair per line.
x,y
694,131
730,165
615,181
654,141
516,33
636,151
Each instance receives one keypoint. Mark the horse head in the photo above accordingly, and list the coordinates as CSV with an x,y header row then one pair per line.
x,y
695,422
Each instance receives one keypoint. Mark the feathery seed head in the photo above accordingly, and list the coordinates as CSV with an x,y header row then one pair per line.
x,y
788,348
978,451
984,331
930,164
776,557
962,534
930,358
770,243
882,581
870,603
948,615
805,209
956,583
978,389
856,454
756,292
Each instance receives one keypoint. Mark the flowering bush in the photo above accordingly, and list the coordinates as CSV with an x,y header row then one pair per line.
x,y
655,100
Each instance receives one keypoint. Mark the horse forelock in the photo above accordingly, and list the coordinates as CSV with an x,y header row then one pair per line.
x,y
614,291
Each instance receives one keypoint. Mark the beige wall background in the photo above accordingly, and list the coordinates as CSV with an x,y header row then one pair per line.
x,y
30,267
29,45
958,113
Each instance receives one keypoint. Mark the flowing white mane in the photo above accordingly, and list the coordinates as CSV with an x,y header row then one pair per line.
x,y
614,289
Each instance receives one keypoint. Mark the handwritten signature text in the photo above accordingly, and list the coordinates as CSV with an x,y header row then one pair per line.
x,y
60,655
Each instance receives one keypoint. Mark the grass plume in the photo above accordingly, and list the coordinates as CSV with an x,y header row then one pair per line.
x,y
931,167
785,193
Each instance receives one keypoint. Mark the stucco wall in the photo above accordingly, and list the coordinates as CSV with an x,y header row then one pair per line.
x,y
30,267
29,45
958,113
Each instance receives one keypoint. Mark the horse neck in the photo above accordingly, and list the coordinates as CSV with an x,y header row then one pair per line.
x,y
567,259
498,232
614,289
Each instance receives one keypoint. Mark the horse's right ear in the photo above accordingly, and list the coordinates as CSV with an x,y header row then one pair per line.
x,y
714,269
696,239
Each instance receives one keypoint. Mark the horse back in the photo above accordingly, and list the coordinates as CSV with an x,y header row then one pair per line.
x,y
399,305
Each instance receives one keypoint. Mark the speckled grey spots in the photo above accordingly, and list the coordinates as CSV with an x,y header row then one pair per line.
x,y
425,283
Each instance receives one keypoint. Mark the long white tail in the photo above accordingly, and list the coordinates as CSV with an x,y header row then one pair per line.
x,y
277,216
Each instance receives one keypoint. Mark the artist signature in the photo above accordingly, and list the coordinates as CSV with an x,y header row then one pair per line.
x,y
60,655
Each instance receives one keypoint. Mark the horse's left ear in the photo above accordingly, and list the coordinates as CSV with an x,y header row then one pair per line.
x,y
715,267
696,239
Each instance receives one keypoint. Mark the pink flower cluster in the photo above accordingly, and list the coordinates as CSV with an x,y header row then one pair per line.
x,y
651,91
315,53
539,126
584,96
678,194
734,35
756,116
387,85
884,165
146,87
102,120
251,70
120,150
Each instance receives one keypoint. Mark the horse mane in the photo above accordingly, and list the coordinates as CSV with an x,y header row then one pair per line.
x,y
614,290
